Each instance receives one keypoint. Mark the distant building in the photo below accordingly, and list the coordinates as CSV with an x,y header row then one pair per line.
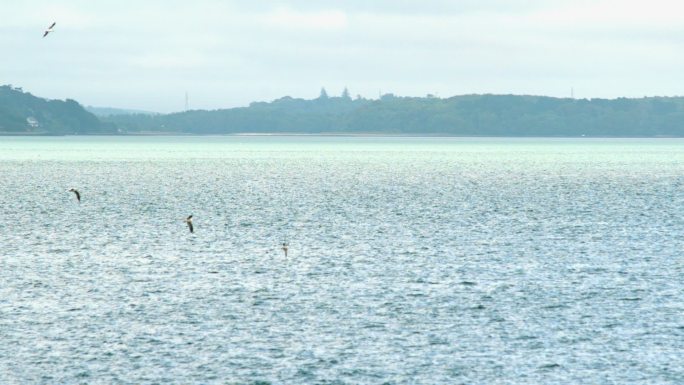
x,y
32,122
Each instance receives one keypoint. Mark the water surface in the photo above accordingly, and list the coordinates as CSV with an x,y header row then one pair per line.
x,y
412,260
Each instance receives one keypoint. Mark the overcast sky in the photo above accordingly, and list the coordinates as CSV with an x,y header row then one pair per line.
x,y
147,54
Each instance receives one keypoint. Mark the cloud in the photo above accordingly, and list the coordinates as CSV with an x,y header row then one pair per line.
x,y
169,61
290,19
230,52
611,13
394,7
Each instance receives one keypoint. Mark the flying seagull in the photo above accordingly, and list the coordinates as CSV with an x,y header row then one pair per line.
x,y
47,31
284,248
188,220
78,196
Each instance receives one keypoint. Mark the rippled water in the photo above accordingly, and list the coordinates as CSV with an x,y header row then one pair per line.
x,y
412,261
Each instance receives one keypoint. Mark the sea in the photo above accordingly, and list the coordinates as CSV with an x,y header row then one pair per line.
x,y
410,260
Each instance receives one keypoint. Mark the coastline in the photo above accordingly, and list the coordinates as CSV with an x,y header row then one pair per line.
x,y
328,134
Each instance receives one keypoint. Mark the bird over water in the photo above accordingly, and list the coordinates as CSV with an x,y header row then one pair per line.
x,y
78,195
188,220
50,29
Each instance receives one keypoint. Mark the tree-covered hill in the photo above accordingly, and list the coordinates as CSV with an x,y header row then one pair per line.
x,y
468,115
23,113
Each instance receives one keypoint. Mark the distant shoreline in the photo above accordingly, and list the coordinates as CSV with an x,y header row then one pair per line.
x,y
478,116
328,134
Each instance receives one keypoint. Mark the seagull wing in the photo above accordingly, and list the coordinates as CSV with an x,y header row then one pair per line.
x,y
53,25
46,33
78,196
190,227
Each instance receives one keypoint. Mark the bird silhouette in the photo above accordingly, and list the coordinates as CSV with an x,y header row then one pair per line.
x,y
188,220
50,29
78,195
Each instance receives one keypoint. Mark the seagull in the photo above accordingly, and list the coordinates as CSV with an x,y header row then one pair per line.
x,y
284,248
47,31
78,196
188,220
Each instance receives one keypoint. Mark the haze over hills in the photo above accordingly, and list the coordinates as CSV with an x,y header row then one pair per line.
x,y
109,111
466,115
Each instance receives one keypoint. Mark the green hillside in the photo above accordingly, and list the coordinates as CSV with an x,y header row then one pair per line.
x,y
468,115
23,113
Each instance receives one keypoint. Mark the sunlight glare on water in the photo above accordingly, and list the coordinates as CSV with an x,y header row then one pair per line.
x,y
411,260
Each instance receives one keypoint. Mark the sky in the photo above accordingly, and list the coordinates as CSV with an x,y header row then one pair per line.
x,y
147,54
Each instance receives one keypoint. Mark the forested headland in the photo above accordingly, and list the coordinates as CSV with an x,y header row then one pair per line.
x,y
24,114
